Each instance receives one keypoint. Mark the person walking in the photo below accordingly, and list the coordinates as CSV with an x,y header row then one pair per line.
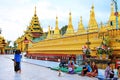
x,y
17,61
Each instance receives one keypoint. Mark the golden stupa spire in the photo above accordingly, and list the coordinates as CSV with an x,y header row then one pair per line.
x,y
112,7
34,27
112,12
80,19
70,18
35,11
49,33
56,31
81,29
70,30
56,23
92,14
92,25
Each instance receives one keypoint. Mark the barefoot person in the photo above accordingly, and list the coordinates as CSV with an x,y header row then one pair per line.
x,y
17,60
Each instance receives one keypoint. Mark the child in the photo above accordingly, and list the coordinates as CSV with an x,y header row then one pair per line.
x,y
60,73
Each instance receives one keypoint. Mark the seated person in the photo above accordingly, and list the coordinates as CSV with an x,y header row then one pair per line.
x,y
118,71
111,72
107,71
94,71
62,63
86,69
71,67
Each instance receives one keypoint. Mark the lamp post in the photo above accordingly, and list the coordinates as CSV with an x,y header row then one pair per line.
x,y
116,13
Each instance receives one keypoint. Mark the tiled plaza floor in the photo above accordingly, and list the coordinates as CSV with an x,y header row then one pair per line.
x,y
34,70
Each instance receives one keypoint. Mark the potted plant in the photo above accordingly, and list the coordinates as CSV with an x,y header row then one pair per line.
x,y
108,52
100,51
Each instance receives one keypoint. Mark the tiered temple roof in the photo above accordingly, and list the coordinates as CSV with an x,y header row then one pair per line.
x,y
34,28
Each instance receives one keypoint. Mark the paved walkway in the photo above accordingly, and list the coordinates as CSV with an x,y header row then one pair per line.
x,y
32,72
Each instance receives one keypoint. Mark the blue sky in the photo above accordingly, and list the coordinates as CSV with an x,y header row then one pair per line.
x,y
15,15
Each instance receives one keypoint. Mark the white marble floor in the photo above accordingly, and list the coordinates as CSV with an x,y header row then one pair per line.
x,y
32,72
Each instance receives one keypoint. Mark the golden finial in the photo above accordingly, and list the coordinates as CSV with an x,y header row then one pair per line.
x,y
49,27
35,11
92,6
112,7
69,13
80,19
70,18
56,18
56,21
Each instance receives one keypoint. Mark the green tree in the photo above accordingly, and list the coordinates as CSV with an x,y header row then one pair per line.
x,y
63,29
15,45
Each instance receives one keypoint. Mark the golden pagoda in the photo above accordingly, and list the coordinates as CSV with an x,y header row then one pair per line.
x,y
92,25
54,47
56,31
70,30
81,29
32,34
34,28
49,33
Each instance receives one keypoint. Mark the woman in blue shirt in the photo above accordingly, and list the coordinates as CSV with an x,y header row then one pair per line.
x,y
86,68
17,60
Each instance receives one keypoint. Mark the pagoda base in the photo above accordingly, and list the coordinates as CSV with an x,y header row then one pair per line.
x,y
51,57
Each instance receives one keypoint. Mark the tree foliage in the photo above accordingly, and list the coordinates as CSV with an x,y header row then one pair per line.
x,y
63,29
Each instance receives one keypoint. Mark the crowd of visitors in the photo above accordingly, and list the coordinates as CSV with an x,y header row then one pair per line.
x,y
91,69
